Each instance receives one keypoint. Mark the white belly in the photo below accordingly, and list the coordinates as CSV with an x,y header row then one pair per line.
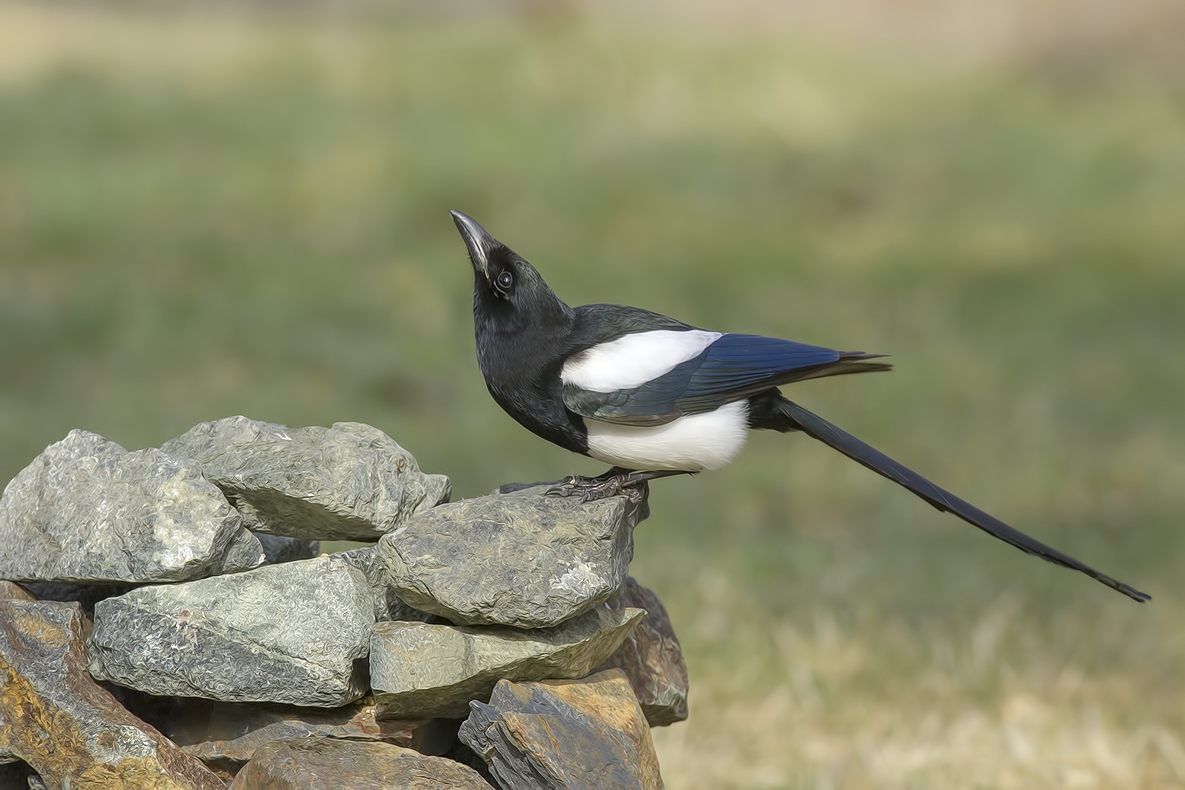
x,y
692,443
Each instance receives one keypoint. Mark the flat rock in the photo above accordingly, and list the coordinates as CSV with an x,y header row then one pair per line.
x,y
307,763
422,670
224,735
577,734
651,658
294,633
87,510
522,559
348,482
63,724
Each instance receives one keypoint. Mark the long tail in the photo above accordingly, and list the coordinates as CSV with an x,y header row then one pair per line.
x,y
818,428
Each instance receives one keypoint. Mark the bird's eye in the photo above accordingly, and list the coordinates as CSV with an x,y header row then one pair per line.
x,y
504,281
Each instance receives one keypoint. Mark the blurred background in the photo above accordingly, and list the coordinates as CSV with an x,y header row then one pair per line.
x,y
209,211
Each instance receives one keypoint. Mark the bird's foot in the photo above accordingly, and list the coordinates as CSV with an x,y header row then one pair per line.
x,y
611,483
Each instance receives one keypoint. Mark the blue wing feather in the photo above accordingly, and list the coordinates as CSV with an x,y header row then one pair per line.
x,y
737,361
732,368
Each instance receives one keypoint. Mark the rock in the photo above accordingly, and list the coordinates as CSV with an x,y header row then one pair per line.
x,y
307,763
348,482
522,559
224,735
564,734
387,604
651,658
278,548
87,510
294,633
59,721
421,670
11,590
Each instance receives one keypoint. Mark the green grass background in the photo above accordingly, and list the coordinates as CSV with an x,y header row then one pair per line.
x,y
208,213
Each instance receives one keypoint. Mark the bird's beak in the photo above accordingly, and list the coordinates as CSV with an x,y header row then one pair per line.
x,y
477,241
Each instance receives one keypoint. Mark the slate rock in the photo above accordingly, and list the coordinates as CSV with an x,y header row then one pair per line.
x,y
225,735
63,724
387,603
522,559
348,482
651,658
577,734
307,763
87,510
294,633
422,670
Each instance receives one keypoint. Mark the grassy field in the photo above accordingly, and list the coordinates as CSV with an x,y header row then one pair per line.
x,y
213,214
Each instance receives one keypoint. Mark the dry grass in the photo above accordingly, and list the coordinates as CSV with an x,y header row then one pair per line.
x,y
879,703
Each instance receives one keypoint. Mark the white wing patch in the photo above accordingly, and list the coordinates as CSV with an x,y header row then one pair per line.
x,y
632,360
692,443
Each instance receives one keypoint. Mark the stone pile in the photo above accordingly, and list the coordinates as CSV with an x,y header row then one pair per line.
x,y
167,621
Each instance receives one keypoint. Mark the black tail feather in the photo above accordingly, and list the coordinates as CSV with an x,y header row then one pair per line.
x,y
838,439
849,362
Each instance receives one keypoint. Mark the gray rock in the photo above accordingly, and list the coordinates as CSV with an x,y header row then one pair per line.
x,y
63,724
278,548
307,763
574,734
651,658
420,670
348,482
224,735
387,603
87,510
294,633
522,559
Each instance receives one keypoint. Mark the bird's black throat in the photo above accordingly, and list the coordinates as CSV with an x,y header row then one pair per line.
x,y
523,335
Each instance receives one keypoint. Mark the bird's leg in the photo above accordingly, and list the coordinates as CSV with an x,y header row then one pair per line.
x,y
615,481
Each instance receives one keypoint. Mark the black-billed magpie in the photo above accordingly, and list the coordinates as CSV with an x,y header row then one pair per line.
x,y
654,397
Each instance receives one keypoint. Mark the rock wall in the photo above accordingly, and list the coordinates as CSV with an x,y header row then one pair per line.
x,y
174,626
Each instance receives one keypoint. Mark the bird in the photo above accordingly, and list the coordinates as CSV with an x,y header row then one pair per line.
x,y
654,397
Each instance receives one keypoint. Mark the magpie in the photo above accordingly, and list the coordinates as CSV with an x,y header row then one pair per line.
x,y
654,397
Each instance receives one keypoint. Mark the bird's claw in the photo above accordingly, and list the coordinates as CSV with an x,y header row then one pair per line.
x,y
590,489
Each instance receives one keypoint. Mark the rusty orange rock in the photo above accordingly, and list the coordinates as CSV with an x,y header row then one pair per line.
x,y
225,735
585,734
303,763
67,727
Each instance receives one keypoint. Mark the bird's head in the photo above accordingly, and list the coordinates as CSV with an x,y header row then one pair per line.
x,y
508,293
